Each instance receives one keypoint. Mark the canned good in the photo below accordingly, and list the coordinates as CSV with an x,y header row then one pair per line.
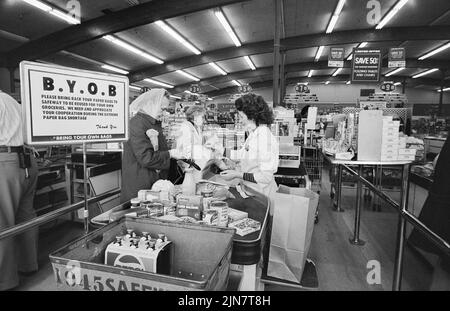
x,y
222,208
156,210
207,198
211,217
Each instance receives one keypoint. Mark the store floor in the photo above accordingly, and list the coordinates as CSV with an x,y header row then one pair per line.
x,y
340,265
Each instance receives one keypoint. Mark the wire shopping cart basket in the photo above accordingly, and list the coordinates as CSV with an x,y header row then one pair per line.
x,y
312,159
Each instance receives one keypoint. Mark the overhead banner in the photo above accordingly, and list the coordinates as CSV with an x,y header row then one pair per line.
x,y
396,58
336,57
64,105
366,65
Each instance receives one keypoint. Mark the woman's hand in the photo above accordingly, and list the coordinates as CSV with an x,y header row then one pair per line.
x,y
231,174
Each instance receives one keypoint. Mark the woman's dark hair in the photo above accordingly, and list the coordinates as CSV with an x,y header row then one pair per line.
x,y
255,108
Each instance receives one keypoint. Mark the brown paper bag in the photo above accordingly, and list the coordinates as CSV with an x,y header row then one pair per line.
x,y
292,227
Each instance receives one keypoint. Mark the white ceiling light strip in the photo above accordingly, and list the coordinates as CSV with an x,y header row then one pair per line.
x,y
327,82
348,82
250,63
226,25
424,73
58,13
177,37
319,53
360,46
337,72
438,50
391,13
132,49
236,82
217,68
445,90
159,83
112,68
397,83
187,75
310,73
393,72
176,97
335,16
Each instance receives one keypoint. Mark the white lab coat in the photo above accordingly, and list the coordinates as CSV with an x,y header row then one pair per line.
x,y
260,156
190,142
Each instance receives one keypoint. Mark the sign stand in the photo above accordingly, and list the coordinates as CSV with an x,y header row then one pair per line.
x,y
85,181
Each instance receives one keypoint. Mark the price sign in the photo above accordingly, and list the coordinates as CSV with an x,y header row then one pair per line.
x,y
301,88
246,88
194,88
387,86
366,65
336,57
396,58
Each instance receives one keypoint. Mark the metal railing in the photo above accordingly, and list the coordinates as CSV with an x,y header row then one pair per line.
x,y
404,216
48,217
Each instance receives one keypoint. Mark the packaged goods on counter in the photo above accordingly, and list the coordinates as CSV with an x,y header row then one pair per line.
x,y
235,215
140,252
189,212
222,209
154,209
148,195
210,217
245,226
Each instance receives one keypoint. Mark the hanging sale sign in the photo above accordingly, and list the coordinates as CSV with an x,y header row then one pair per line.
x,y
336,57
387,86
366,65
194,88
246,88
301,88
64,105
396,58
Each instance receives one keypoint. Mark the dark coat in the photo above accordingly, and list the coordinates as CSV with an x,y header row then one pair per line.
x,y
435,213
140,161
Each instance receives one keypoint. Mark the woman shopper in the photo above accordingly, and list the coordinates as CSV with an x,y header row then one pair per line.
x,y
146,157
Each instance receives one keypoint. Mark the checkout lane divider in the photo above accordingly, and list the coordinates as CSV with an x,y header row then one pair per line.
x,y
48,217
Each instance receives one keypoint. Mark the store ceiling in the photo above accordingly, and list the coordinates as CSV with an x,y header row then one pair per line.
x,y
27,32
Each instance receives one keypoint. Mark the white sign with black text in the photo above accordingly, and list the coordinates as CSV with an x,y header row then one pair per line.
x,y
63,105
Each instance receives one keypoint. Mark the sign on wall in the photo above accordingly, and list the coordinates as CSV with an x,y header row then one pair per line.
x,y
336,57
396,58
63,105
366,65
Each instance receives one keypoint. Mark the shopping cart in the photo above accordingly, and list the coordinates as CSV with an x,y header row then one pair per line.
x,y
312,161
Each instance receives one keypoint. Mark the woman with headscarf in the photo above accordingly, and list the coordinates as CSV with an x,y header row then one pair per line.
x,y
146,157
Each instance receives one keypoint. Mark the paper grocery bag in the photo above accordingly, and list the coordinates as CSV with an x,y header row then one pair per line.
x,y
292,227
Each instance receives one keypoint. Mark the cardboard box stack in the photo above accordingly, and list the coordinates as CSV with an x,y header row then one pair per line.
x,y
393,147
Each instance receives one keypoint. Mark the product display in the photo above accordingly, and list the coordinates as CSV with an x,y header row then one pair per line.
x,y
140,252
245,226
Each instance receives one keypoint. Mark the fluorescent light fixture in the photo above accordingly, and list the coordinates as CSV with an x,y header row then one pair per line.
x,y
187,75
137,88
124,72
209,98
391,13
445,90
176,97
250,63
159,83
348,82
397,83
306,83
65,17
39,5
220,70
310,73
236,83
393,72
131,48
424,73
177,37
335,16
337,72
223,20
319,53
362,45
438,50
189,92
327,82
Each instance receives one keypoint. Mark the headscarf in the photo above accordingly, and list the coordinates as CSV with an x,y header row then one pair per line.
x,y
148,102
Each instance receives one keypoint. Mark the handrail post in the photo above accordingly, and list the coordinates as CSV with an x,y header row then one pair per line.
x,y
399,252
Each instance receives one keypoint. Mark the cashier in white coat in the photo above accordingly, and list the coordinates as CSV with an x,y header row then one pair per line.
x,y
258,159
193,143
